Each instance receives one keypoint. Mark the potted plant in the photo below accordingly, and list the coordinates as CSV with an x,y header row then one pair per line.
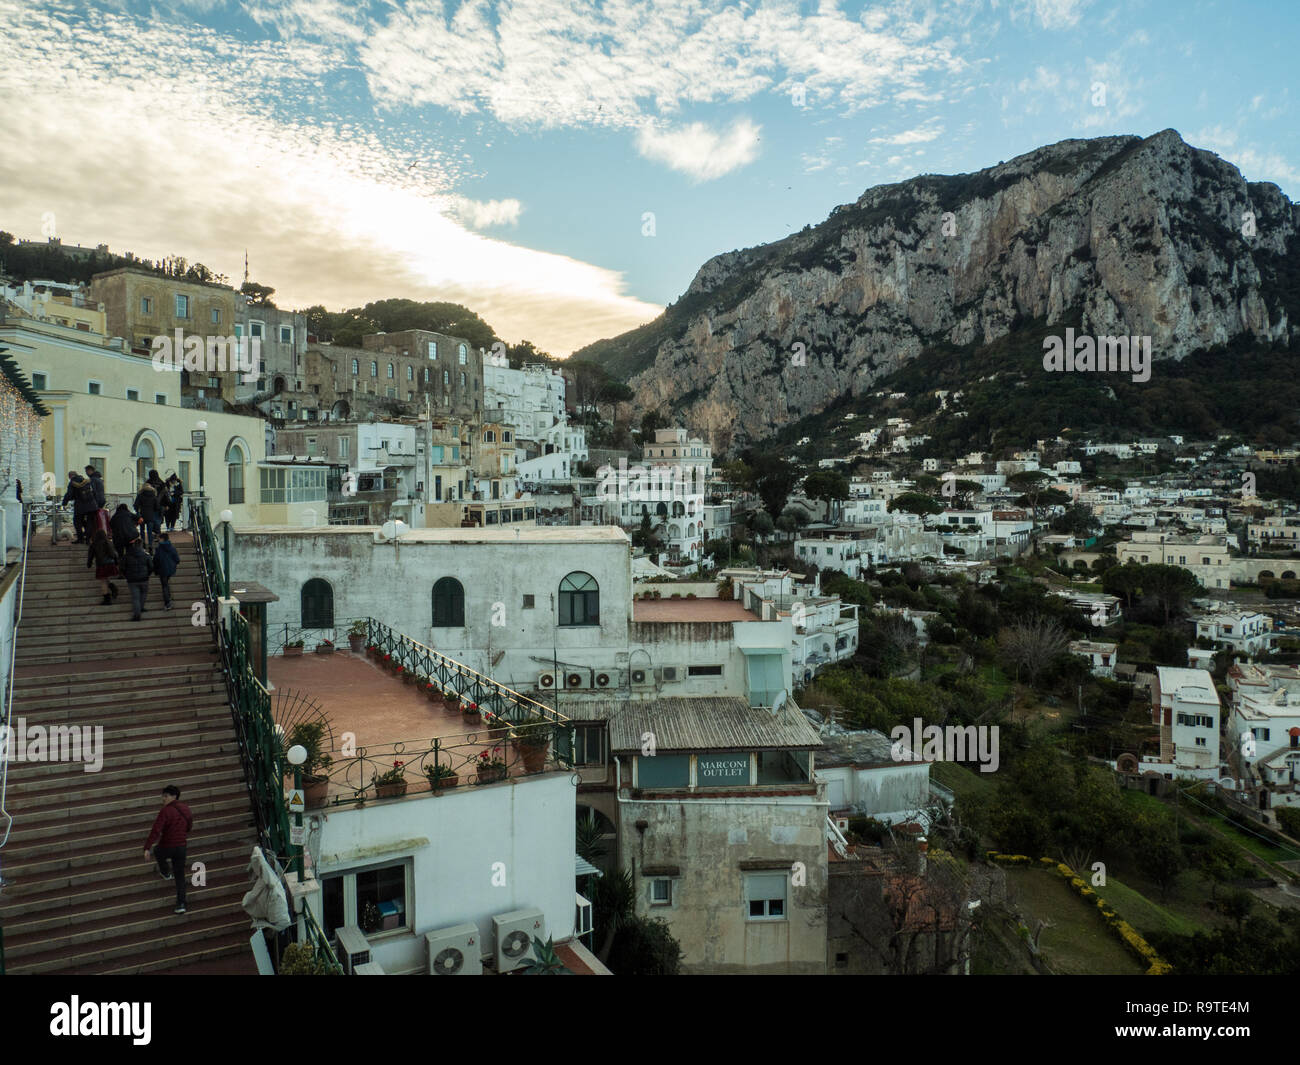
x,y
469,714
301,959
530,741
310,735
441,776
406,675
292,649
451,702
374,652
491,766
357,635
391,782
498,726
431,690
325,647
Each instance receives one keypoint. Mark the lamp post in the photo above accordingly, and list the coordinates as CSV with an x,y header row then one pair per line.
x,y
201,441
226,518
297,756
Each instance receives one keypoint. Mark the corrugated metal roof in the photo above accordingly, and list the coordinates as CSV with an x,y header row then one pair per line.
x,y
716,723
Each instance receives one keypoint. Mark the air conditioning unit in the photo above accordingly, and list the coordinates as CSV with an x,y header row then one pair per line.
x,y
454,951
577,679
514,932
642,678
546,681
667,673
603,680
842,823
582,924
353,948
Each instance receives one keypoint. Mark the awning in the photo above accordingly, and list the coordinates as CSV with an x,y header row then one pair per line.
x,y
582,867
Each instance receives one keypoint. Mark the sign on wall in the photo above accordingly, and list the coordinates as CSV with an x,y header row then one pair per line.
x,y
719,770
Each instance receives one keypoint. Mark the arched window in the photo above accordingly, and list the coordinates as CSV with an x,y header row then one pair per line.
x,y
235,474
390,371
462,353
317,604
144,460
448,604
356,367
374,368
410,373
579,600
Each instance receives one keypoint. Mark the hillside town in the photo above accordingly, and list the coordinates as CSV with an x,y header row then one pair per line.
x,y
770,713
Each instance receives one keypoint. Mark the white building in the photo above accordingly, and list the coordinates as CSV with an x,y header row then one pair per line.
x,y
1185,705
1245,631
1101,656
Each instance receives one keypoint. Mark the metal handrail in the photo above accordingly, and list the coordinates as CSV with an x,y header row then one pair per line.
x,y
9,685
316,939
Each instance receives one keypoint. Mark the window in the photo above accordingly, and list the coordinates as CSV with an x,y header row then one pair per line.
x,y
255,330
235,474
446,378
133,393
529,602
286,334
410,373
426,375
433,349
146,305
93,388
589,745
356,367
448,604
317,604
289,485
216,315
489,437
345,445
765,895
38,382
462,379
663,771
661,891
704,671
182,306
462,354
580,600
375,900
183,472
160,398
390,371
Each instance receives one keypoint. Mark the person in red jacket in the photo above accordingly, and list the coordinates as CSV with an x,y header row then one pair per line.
x,y
174,820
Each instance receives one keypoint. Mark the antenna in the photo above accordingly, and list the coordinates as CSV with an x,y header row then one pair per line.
x,y
245,266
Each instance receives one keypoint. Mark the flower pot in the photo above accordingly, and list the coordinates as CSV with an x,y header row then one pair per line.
x,y
451,705
314,791
533,755
408,677
498,732
325,649
490,774
433,694
291,652
389,791
356,644
444,782
472,719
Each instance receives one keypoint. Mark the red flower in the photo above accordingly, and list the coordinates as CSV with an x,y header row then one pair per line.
x,y
387,657
398,765
473,706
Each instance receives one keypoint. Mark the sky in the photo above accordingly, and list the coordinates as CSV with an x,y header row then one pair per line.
x,y
564,167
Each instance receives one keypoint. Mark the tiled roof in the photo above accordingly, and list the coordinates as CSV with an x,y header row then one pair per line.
x,y
717,723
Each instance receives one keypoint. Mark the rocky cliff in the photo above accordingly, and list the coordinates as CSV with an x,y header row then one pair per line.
x,y
1129,235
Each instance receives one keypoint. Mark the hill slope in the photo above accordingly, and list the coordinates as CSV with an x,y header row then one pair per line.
x,y
1115,235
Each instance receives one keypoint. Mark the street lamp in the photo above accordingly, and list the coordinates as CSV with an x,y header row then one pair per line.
x,y
202,427
297,756
227,517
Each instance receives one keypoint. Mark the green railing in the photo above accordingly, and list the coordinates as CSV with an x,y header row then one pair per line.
x,y
208,555
321,946
454,678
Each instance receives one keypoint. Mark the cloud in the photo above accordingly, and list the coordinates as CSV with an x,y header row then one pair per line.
x,y
1254,164
920,135
1053,14
699,151
479,214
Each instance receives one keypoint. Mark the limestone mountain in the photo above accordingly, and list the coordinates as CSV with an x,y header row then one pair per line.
x,y
1117,235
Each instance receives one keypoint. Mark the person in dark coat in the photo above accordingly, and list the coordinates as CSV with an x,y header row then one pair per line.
x,y
165,563
136,568
176,493
104,559
97,483
146,505
170,829
123,527
81,494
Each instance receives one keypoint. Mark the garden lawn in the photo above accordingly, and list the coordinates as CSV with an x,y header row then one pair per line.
x,y
1078,942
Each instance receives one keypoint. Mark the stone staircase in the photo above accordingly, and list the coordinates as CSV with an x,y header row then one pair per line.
x,y
79,896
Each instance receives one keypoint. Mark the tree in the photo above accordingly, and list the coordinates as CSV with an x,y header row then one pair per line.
x,y
650,421
1078,522
792,519
1172,586
1032,644
915,503
774,477
760,523
827,486
258,295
